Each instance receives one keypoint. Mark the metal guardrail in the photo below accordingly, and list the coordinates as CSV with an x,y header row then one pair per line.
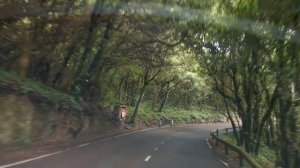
x,y
243,155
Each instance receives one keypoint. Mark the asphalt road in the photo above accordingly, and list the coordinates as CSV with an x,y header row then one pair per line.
x,y
175,147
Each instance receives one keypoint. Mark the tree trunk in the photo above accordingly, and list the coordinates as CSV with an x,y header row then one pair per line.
x,y
163,102
265,119
272,132
119,90
138,103
231,121
97,63
23,61
287,150
89,40
71,51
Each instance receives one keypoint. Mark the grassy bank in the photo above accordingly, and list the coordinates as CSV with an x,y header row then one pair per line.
x,y
24,86
33,111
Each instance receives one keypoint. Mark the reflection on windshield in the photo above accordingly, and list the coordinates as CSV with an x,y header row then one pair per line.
x,y
74,70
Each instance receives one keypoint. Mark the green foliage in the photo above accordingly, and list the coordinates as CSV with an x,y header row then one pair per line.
x,y
177,53
179,115
26,86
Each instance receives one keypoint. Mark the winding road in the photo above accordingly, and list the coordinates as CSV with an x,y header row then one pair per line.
x,y
169,147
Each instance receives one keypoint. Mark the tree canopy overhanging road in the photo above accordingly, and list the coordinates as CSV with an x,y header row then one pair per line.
x,y
66,67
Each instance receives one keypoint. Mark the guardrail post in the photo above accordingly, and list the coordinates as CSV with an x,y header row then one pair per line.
x,y
241,160
242,155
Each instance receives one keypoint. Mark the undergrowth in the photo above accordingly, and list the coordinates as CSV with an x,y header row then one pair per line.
x,y
27,86
178,115
266,156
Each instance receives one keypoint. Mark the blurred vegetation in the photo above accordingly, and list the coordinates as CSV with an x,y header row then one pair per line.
x,y
33,111
25,86
150,116
266,157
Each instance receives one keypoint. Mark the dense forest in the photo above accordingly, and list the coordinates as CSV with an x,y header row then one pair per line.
x,y
240,57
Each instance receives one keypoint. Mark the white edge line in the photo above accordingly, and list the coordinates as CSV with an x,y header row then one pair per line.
x,y
101,140
47,155
147,158
155,149
128,133
162,142
28,160
226,164
208,145
82,145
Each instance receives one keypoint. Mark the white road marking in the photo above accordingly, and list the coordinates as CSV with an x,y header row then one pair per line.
x,y
147,158
226,164
134,132
105,139
155,149
208,144
43,156
162,142
82,145
28,160
121,135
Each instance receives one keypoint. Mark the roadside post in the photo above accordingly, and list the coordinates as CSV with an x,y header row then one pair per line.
x,y
123,111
